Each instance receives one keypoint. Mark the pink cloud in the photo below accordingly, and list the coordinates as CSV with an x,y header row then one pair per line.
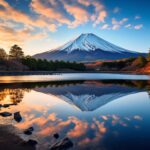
x,y
138,27
117,24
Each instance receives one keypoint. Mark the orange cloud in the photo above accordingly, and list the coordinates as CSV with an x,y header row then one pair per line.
x,y
20,17
62,11
9,36
102,15
47,16
80,15
49,12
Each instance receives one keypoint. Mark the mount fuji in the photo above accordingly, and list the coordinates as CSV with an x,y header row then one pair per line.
x,y
87,47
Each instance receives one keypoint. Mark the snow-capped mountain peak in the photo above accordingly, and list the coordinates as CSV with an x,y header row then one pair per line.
x,y
90,42
88,47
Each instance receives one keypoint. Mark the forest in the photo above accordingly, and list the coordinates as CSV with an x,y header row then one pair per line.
x,y
17,61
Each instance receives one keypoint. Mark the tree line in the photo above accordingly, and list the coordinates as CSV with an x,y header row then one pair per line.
x,y
128,64
16,56
45,65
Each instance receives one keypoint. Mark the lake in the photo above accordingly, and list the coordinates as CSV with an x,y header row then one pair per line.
x,y
95,111
71,76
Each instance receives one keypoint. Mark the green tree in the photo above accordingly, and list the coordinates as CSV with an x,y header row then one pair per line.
x,y
16,52
149,55
3,55
142,61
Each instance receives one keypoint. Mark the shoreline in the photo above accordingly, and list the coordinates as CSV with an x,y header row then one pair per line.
x,y
18,73
9,140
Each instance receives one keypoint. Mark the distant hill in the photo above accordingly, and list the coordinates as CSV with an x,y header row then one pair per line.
x,y
88,47
135,65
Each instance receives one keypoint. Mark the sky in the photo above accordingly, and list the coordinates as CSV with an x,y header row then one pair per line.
x,y
41,25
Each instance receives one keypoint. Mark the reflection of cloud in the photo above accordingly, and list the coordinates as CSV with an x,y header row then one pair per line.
x,y
101,127
79,129
115,117
104,117
123,123
46,121
136,117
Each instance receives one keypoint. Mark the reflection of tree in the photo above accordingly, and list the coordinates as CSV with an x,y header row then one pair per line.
x,y
140,84
13,96
15,92
39,84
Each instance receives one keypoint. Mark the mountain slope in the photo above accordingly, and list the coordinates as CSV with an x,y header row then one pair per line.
x,y
87,47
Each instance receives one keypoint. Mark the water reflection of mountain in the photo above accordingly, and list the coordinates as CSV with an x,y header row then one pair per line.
x,y
89,96
86,95
12,96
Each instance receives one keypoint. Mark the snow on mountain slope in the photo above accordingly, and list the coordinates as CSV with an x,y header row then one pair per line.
x,y
91,102
88,96
90,42
88,47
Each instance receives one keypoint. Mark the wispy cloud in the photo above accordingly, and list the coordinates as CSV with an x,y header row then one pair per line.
x,y
129,26
138,27
71,13
137,17
47,16
105,26
9,36
116,24
122,23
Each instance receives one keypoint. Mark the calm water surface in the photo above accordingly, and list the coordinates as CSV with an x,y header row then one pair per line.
x,y
94,114
72,76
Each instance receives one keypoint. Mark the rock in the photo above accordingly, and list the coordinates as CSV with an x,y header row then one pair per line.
x,y
56,135
5,114
28,131
31,142
64,144
17,116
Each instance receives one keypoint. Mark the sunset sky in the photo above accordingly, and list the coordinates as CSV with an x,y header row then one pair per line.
x,y
40,25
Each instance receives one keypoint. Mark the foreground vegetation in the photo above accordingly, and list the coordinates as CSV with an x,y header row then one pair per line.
x,y
17,61
139,64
